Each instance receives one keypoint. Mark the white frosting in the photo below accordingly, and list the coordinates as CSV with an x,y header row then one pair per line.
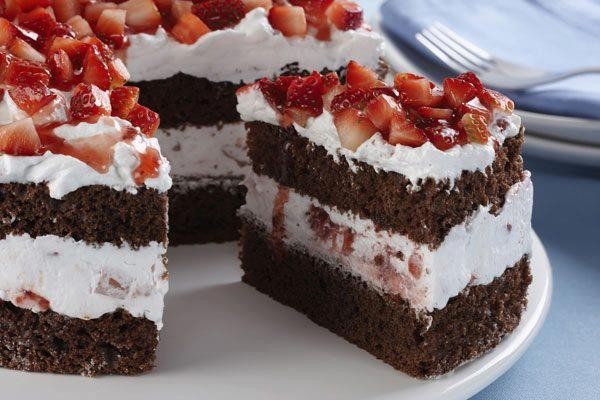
x,y
416,163
472,253
84,281
247,52
206,152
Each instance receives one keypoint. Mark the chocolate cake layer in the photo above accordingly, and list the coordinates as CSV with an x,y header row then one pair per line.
x,y
94,214
204,214
425,216
115,343
384,325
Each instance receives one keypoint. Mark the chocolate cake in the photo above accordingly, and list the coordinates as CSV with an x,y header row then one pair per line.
x,y
189,58
83,217
398,217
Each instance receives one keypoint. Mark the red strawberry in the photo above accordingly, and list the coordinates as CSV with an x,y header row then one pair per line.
x,y
8,33
23,72
61,67
20,138
345,15
275,92
89,103
28,5
472,79
496,101
142,15
219,14
111,22
475,126
149,165
474,107
123,99
22,49
96,151
315,15
380,111
361,77
435,113
417,91
95,70
444,137
42,22
353,127
305,98
404,132
189,28
145,119
76,49
163,5
66,9
358,98
250,5
331,88
31,98
118,73
11,9
290,21
458,91
180,7
93,11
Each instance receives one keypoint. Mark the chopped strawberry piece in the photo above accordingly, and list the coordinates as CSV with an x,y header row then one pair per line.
x,y
95,70
250,5
118,73
89,103
145,119
358,98
180,7
149,165
41,22
275,92
444,137
96,151
61,68
472,79
142,15
28,5
494,100
66,9
24,50
380,111
315,15
305,97
474,107
404,132
475,126
353,127
80,26
11,9
76,49
219,14
8,33
345,15
23,72
417,91
435,113
290,21
111,22
93,11
123,99
330,81
458,91
163,5
189,28
19,138
31,98
358,76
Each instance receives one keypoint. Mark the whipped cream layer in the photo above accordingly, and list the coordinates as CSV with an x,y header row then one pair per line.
x,y
82,280
247,52
472,253
415,163
217,151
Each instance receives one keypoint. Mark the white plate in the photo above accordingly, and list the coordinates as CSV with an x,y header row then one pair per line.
x,y
225,340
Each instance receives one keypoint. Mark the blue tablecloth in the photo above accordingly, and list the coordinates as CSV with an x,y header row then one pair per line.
x,y
564,360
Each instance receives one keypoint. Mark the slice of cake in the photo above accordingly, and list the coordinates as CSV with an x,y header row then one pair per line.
x,y
189,58
83,218
396,217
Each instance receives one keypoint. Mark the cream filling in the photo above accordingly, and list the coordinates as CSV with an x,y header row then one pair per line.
x,y
472,253
81,280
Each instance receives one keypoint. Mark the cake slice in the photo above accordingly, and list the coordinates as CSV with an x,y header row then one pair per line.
x,y
188,58
398,217
83,218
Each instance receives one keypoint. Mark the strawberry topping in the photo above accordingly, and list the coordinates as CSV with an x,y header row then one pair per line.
x,y
219,14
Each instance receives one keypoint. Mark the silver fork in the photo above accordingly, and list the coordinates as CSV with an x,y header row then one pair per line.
x,y
461,55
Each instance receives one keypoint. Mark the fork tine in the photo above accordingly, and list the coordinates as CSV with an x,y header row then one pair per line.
x,y
438,53
460,49
463,42
451,53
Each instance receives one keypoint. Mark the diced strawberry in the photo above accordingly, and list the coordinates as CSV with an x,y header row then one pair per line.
x,y
23,72
61,68
149,165
95,70
275,92
290,21
444,137
80,26
19,138
330,81
180,7
358,76
472,79
96,151
40,21
315,15
8,33
358,98
31,98
145,119
305,97
142,15
66,9
380,111
11,9
24,50
123,99
417,91
118,73
189,28
353,127
75,49
89,103
404,132
219,14
28,5
435,113
54,112
345,15
163,5
475,126
111,22
494,100
474,107
93,11
250,5
458,91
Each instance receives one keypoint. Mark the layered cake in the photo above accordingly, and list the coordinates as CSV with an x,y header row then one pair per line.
x,y
83,217
188,58
398,217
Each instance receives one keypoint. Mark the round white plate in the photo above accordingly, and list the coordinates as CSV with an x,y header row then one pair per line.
x,y
225,340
